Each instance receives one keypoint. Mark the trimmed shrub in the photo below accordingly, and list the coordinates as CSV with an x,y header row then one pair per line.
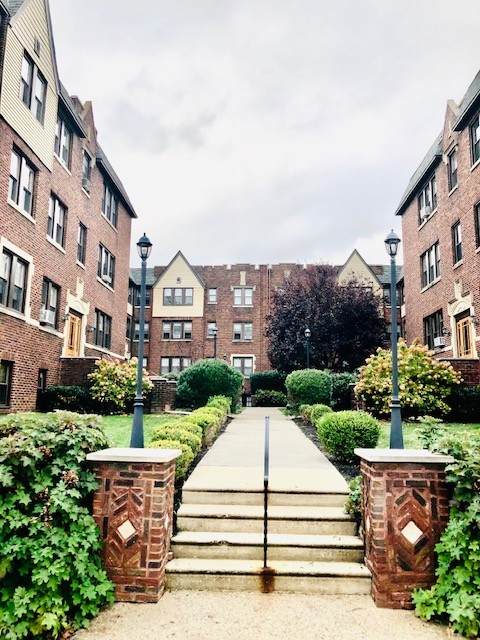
x,y
303,410
264,398
177,432
464,404
114,384
206,417
206,378
309,386
316,411
341,390
343,431
52,576
424,383
220,402
267,381
183,462
77,399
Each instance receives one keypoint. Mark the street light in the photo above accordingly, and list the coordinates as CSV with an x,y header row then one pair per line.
x,y
396,434
144,247
214,332
308,333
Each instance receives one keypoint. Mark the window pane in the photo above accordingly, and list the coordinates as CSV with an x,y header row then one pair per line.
x,y
188,296
178,293
5,267
167,296
248,333
187,330
177,330
248,296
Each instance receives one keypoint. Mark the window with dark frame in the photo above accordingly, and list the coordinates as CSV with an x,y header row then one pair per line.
x,y
475,138
177,330
50,303
148,296
22,178
13,281
430,265
6,369
433,328
63,142
57,214
109,204
243,296
179,296
242,330
452,169
103,329
174,364
244,364
106,266
457,242
476,211
427,200
81,243
146,333
86,171
33,88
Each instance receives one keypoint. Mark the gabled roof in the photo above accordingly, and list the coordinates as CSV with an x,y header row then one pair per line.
x,y
136,276
104,163
72,112
432,158
384,277
470,101
192,269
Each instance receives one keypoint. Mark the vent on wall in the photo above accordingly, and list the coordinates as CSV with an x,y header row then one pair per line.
x,y
36,46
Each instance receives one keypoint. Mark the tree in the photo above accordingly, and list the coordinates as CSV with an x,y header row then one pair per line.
x,y
346,322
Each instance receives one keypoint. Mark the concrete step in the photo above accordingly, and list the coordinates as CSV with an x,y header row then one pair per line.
x,y
287,576
308,548
249,519
275,498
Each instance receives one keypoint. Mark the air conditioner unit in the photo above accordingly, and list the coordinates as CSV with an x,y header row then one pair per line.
x,y
439,342
106,278
47,317
86,184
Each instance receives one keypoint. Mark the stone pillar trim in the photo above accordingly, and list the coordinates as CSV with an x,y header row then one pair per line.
x,y
405,507
128,454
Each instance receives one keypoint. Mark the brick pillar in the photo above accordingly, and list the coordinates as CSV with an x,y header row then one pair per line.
x,y
405,505
133,508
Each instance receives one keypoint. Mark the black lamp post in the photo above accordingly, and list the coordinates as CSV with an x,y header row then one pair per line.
x,y
144,248
308,333
396,433
215,331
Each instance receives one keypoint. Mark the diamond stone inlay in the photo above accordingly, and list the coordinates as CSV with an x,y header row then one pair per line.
x,y
126,530
411,532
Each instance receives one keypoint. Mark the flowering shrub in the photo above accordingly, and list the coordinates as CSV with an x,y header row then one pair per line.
x,y
114,384
424,383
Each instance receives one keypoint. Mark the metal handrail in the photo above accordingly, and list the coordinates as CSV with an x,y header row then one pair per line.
x,y
266,469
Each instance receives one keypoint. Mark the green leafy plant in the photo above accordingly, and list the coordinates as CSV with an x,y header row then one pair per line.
x,y
52,578
220,402
430,430
424,383
341,390
178,432
343,431
68,398
206,378
316,411
456,594
268,381
309,386
265,398
114,383
353,504
464,404
183,462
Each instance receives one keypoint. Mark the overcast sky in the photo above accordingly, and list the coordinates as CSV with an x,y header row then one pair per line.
x,y
266,130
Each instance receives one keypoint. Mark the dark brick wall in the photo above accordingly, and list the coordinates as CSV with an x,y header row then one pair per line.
x,y
162,394
74,371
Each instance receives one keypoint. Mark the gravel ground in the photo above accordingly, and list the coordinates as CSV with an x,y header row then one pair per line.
x,y
196,615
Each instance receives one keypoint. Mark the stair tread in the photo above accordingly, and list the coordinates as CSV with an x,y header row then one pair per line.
x,y
271,491
275,512
274,539
280,567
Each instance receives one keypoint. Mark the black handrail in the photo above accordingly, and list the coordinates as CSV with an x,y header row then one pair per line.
x,y
266,468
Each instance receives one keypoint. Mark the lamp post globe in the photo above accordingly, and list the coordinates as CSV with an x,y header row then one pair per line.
x,y
308,334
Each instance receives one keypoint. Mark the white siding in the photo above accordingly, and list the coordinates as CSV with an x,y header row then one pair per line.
x,y
178,269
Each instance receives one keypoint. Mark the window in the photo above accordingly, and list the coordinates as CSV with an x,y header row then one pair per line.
x,y
427,200
177,330
86,171
5,382
50,302
212,296
243,296
475,138
106,265
243,364
242,330
109,204
463,327
145,362
430,261
433,328
457,242
174,364
103,329
33,88
63,142
129,328
13,281
452,169
146,332
211,326
56,221
477,222
178,296
22,176
148,296
81,243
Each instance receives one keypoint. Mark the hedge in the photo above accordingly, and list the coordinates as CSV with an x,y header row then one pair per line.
x,y
268,381
309,386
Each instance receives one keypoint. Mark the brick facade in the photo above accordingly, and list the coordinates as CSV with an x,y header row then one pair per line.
x,y
32,346
162,395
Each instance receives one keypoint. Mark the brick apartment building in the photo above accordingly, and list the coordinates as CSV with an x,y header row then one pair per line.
x,y
185,303
440,212
65,221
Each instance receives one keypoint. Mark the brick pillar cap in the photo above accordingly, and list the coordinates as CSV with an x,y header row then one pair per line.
x,y
127,454
403,455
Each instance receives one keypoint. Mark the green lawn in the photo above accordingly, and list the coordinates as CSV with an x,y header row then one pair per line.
x,y
119,428
410,438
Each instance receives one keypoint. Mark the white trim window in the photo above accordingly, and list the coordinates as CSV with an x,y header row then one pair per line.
x,y
177,330
13,281
109,205
33,88
430,262
6,369
212,295
63,142
243,296
103,329
57,215
82,243
22,178
106,266
50,301
427,200
86,171
244,364
475,138
242,330
174,364
452,169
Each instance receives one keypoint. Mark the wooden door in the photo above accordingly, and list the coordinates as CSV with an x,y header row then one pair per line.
x,y
73,334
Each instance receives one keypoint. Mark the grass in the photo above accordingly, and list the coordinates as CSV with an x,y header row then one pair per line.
x,y
410,434
119,428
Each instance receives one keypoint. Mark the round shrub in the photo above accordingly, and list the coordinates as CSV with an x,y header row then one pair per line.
x,y
303,410
176,432
184,461
206,378
341,390
220,402
205,418
309,386
265,398
343,431
317,411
